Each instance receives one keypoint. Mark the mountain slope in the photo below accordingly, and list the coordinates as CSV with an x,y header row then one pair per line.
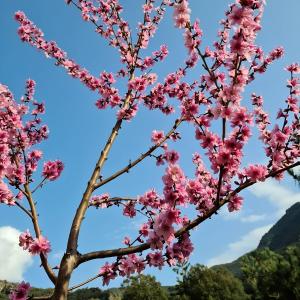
x,y
284,233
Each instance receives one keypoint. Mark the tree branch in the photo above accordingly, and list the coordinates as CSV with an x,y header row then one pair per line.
x,y
84,283
118,199
24,209
140,158
134,249
34,218
76,224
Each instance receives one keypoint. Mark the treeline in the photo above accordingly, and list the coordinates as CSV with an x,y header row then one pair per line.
x,y
264,275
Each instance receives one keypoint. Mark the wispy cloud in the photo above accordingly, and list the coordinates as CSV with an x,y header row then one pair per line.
x,y
242,216
226,215
277,194
253,218
246,243
13,260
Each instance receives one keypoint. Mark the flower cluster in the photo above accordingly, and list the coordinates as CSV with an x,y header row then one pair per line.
x,y
182,14
281,143
20,292
37,246
100,201
126,266
52,169
20,129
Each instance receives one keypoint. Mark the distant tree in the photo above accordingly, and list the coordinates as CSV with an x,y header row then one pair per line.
x,y
271,275
202,283
143,287
88,294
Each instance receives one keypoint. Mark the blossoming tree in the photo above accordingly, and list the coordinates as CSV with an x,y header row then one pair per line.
x,y
212,105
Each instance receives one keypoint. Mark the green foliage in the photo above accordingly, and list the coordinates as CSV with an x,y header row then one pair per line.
x,y
143,287
88,294
271,275
202,283
181,269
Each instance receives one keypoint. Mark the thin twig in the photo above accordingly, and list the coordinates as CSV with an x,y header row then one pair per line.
x,y
24,209
81,210
83,283
39,185
140,158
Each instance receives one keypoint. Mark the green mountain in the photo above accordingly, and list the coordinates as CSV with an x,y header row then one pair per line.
x,y
284,233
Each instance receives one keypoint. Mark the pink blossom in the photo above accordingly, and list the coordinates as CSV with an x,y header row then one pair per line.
x,y
127,113
155,259
148,8
151,199
100,201
157,136
20,292
144,230
126,241
5,194
171,156
235,203
40,246
155,241
30,89
174,174
181,14
129,210
295,68
52,169
164,229
108,273
256,172
130,264
180,251
25,240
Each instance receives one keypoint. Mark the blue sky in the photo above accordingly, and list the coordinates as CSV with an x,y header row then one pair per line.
x,y
78,131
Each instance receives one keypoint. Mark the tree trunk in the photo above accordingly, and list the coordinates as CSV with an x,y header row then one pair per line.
x,y
68,263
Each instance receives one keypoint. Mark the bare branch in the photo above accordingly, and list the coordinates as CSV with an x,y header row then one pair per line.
x,y
24,209
84,283
141,157
39,185
74,232
118,199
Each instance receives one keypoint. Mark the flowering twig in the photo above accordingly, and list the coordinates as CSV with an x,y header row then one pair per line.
x,y
37,230
140,248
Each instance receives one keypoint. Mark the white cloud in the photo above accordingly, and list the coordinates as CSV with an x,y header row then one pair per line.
x,y
228,216
13,260
253,218
234,250
241,215
277,194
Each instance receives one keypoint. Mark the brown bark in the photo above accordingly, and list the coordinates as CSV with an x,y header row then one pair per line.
x,y
68,264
